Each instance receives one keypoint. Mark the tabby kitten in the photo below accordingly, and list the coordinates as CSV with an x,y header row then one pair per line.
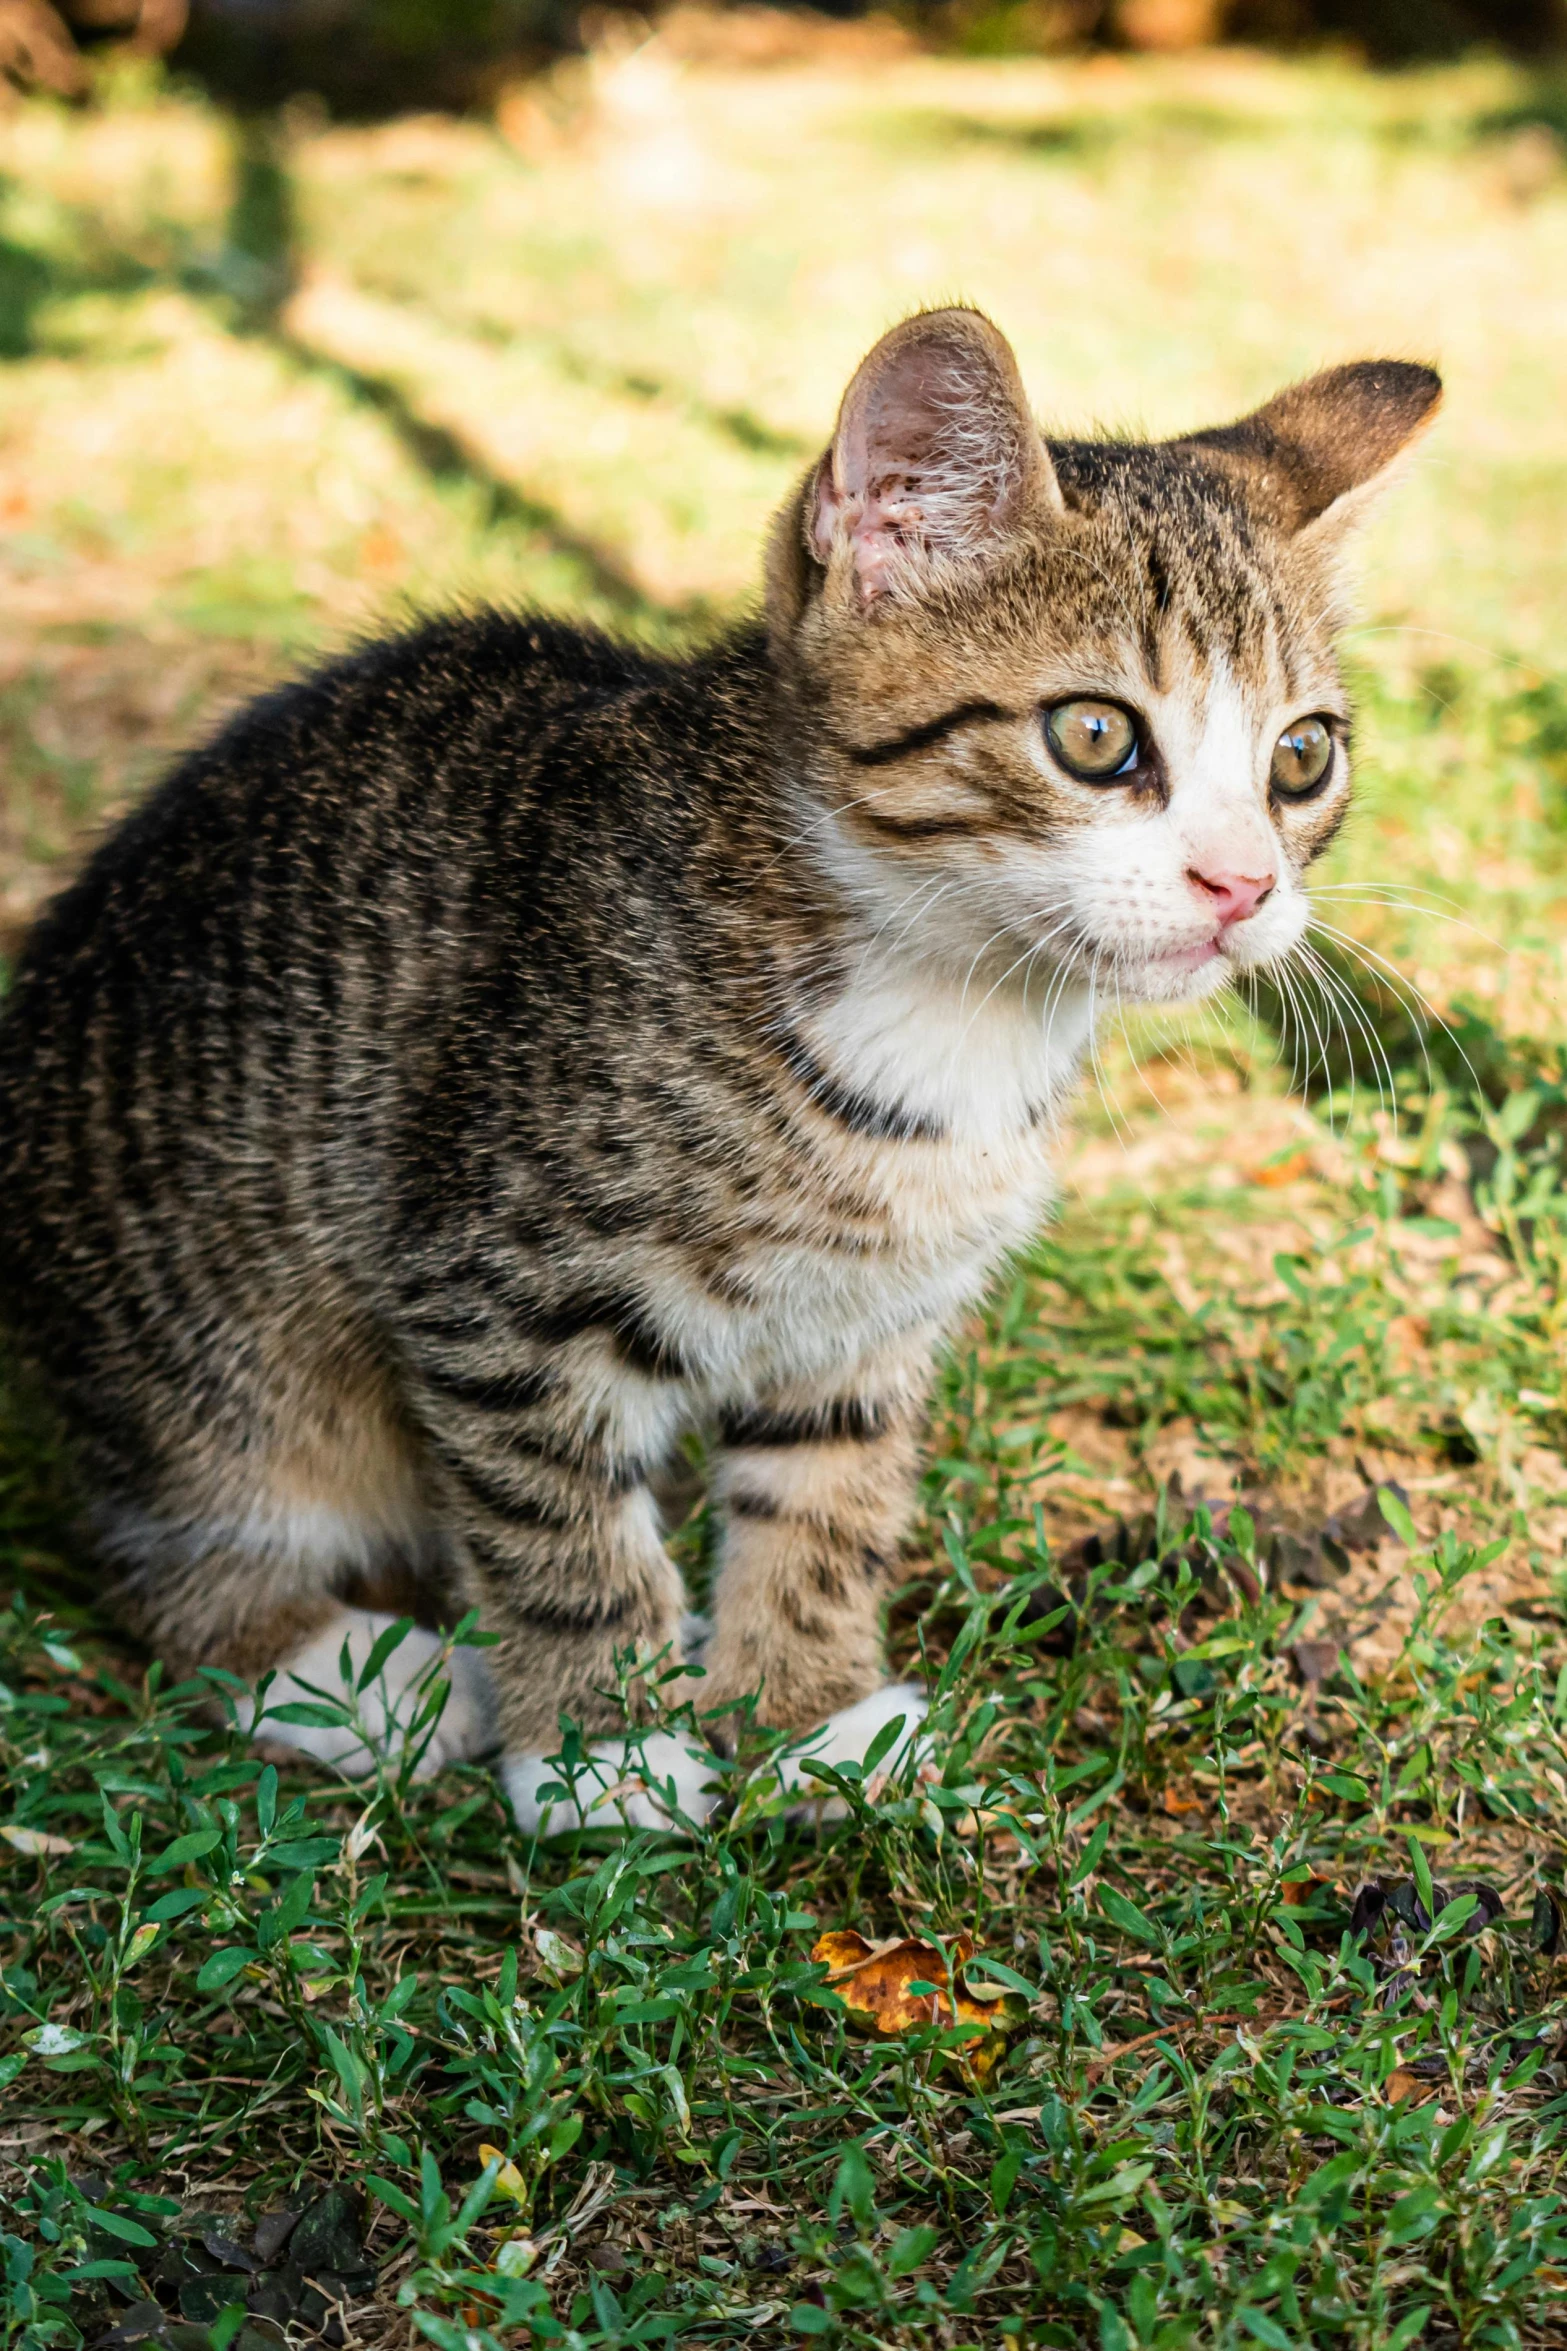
x,y
505,1049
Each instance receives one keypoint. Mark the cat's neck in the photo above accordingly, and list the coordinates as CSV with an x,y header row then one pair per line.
x,y
975,1052
980,1047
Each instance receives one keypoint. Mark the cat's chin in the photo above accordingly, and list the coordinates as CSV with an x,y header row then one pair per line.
x,y
1183,978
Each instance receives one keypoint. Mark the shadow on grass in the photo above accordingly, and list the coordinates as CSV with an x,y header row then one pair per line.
x,y
258,269
246,279
1090,137
26,282
32,277
1082,139
446,459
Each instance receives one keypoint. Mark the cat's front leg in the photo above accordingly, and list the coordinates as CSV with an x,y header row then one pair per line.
x,y
545,1486
816,1483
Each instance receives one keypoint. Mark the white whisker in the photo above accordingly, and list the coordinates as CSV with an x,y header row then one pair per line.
x,y
1344,996
1369,956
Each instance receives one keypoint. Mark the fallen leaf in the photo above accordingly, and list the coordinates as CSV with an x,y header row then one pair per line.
x,y
509,2181
516,2252
1288,1170
1300,1891
1401,2084
273,2230
223,2249
327,2252
35,1841
875,1980
1403,1900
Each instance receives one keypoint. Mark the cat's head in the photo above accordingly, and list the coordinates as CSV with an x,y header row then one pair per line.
x,y
1076,704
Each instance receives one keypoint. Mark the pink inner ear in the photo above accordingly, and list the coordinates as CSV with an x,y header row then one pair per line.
x,y
887,525
935,454
878,527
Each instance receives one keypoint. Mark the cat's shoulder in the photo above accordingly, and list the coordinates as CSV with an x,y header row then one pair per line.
x,y
452,668
456,676
489,647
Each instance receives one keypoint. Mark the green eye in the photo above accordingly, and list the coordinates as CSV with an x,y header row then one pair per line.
x,y
1302,757
1096,741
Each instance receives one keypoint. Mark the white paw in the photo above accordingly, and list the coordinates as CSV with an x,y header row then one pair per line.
x,y
638,1783
377,1721
847,1737
695,1633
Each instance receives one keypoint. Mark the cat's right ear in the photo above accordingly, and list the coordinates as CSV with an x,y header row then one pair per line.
x,y
936,459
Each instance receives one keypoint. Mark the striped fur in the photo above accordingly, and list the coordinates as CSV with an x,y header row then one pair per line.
x,y
505,1049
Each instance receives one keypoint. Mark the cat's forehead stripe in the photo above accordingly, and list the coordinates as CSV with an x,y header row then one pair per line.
x,y
1182,572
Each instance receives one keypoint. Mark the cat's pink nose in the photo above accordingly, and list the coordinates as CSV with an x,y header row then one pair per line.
x,y
1232,896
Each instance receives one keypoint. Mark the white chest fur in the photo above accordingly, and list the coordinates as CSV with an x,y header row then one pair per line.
x,y
987,1074
825,1288
985,1062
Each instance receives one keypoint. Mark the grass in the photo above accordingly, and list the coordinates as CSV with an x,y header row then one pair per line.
x,y
265,384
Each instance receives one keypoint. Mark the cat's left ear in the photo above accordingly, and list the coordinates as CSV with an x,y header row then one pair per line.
x,y
935,458
1313,459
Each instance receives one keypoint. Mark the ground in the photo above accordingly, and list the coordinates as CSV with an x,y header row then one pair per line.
x,y
265,384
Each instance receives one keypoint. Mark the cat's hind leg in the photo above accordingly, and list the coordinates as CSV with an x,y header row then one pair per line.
x,y
269,1543
259,1605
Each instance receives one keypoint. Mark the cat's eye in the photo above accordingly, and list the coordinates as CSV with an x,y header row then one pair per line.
x,y
1095,741
1302,757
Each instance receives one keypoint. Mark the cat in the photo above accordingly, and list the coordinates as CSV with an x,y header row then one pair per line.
x,y
505,1048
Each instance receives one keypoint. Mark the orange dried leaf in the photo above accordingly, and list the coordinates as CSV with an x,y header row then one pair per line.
x,y
844,1951
874,1982
1301,1891
1288,1170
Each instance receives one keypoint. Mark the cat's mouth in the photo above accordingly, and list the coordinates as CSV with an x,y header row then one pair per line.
x,y
1195,970
1177,974
1190,958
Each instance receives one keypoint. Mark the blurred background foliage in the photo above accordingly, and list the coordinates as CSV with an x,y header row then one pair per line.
x,y
368,57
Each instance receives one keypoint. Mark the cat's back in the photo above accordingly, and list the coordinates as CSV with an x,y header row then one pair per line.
x,y
249,930
404,745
